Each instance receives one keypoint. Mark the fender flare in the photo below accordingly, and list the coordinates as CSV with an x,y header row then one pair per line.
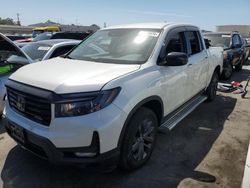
x,y
131,113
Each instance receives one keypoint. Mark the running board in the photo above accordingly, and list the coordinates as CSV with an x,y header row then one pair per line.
x,y
175,117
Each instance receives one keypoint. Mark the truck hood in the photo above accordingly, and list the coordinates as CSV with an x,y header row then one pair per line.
x,y
62,75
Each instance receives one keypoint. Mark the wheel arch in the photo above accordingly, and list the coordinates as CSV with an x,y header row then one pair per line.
x,y
218,70
154,103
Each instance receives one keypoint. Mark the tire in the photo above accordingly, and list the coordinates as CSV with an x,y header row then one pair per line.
x,y
139,139
238,67
227,71
212,88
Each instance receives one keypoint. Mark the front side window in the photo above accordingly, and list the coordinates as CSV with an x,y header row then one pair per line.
x,y
193,42
176,43
126,46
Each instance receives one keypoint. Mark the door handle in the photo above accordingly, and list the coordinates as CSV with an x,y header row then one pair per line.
x,y
190,65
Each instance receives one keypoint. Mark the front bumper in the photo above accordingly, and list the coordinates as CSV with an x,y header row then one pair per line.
x,y
45,149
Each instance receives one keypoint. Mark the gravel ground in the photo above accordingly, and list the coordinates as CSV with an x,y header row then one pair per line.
x,y
207,149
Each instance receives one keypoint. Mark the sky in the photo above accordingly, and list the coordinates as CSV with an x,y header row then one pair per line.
x,y
204,13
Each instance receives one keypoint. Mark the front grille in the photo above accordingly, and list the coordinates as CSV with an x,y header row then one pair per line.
x,y
35,108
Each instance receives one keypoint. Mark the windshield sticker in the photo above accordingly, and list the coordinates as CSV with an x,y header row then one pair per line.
x,y
225,36
43,48
149,33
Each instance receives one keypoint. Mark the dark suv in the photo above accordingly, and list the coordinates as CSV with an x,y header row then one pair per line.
x,y
233,50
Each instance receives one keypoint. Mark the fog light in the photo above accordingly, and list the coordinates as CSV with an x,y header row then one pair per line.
x,y
82,154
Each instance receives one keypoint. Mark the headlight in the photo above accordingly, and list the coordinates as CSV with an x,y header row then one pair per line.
x,y
225,55
86,105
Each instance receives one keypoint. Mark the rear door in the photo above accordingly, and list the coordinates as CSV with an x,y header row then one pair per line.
x,y
198,64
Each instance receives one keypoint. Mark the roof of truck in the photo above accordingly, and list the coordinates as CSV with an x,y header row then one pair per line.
x,y
154,25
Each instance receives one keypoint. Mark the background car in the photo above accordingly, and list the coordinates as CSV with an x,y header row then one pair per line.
x,y
57,35
48,49
233,50
246,45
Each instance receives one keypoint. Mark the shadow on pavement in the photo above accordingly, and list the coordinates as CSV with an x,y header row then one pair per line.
x,y
176,156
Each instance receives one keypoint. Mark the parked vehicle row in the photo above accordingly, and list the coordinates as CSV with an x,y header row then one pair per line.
x,y
236,50
55,35
105,100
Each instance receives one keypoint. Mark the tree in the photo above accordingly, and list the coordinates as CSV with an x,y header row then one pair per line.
x,y
7,21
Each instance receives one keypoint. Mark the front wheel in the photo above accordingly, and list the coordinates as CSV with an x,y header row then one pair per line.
x,y
212,88
139,139
227,71
238,67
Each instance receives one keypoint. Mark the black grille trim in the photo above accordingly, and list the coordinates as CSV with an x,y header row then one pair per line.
x,y
36,108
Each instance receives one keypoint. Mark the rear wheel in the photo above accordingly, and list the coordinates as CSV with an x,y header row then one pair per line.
x,y
139,139
212,88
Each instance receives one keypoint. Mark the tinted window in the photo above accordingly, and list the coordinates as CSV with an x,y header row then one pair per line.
x,y
193,42
236,40
176,43
76,36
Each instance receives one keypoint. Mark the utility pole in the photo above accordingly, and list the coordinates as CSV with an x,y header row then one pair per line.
x,y
104,25
18,20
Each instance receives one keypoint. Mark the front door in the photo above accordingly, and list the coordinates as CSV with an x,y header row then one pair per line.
x,y
174,79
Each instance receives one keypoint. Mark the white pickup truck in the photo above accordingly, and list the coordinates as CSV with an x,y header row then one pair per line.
x,y
105,100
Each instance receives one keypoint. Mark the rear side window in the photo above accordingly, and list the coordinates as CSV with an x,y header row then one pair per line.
x,y
193,42
62,50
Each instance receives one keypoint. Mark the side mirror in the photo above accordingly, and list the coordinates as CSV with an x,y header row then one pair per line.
x,y
175,59
207,43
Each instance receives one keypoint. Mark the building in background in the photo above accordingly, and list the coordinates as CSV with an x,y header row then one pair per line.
x,y
244,30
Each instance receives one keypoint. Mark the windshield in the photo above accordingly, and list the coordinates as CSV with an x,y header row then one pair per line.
x,y
219,40
126,46
43,36
36,51
36,32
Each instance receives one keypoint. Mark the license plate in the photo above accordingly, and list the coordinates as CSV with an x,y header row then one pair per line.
x,y
17,133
